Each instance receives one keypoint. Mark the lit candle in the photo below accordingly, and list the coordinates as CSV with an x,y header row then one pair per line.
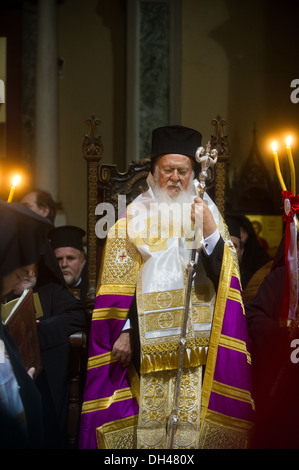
x,y
277,167
15,181
292,166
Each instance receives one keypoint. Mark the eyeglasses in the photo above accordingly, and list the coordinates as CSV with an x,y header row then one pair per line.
x,y
183,172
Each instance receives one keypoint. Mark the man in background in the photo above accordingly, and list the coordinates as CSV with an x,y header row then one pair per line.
x,y
67,243
234,228
40,202
63,315
23,237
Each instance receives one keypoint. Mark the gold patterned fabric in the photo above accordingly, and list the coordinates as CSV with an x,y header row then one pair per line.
x,y
157,390
215,412
161,290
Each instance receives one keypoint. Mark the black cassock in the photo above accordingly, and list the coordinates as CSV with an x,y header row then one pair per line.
x,y
63,315
23,239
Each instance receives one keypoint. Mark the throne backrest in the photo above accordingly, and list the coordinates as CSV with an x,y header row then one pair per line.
x,y
131,183
106,183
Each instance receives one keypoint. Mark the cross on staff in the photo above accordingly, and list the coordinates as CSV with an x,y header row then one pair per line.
x,y
207,159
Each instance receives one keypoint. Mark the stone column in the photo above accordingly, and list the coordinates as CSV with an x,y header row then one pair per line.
x,y
47,98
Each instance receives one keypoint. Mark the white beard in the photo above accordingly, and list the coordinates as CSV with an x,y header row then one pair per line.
x,y
161,194
175,209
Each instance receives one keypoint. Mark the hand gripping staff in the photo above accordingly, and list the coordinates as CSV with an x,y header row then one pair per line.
x,y
210,158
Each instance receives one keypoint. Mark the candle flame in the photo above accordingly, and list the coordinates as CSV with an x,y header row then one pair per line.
x,y
16,180
289,141
274,146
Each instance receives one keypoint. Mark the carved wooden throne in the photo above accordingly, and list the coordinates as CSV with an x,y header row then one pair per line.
x,y
105,183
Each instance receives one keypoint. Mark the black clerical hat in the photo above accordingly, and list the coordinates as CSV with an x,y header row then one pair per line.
x,y
67,235
175,139
234,226
24,235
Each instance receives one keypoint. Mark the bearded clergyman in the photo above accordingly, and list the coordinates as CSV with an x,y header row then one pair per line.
x,y
136,330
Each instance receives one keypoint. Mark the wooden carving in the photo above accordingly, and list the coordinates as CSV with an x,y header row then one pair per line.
x,y
92,151
219,141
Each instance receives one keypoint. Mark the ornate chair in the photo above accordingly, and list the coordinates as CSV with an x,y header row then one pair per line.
x,y
77,369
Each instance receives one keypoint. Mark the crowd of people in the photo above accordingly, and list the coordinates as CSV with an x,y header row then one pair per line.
x,y
29,244
173,362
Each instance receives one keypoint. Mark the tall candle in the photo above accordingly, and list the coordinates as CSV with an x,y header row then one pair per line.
x,y
277,167
292,166
13,187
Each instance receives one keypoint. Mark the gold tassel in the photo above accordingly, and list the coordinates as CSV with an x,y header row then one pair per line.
x,y
157,362
194,357
169,360
186,361
166,359
175,359
146,366
203,356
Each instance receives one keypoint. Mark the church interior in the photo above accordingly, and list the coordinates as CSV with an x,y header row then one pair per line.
x,y
84,83
137,65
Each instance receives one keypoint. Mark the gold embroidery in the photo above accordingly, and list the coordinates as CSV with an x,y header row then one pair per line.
x,y
201,313
166,356
155,234
241,425
109,312
218,430
166,299
233,392
100,360
234,294
155,244
158,392
116,289
172,303
215,435
104,403
235,344
173,345
162,320
224,284
134,381
159,354
119,434
122,260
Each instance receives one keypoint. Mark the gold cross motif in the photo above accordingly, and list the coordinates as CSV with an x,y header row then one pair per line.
x,y
187,398
164,299
154,396
122,256
166,320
